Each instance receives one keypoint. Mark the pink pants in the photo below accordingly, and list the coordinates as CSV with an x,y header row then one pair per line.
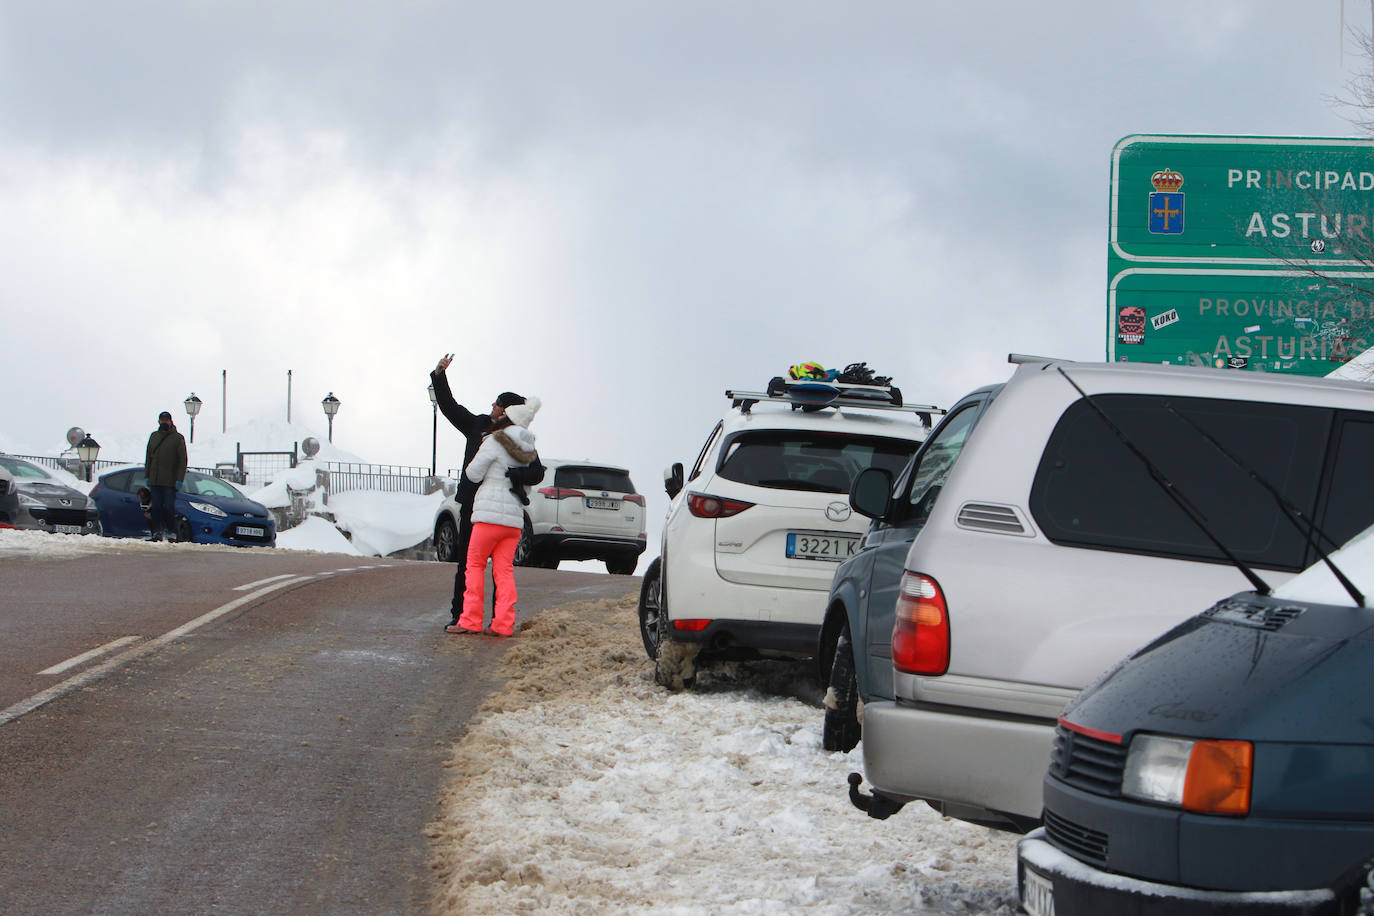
x,y
497,542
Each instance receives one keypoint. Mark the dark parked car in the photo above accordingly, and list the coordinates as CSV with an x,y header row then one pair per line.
x,y
208,510
9,498
1225,767
44,503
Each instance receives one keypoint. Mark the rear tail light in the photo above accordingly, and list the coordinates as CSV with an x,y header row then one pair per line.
x,y
693,625
920,634
705,506
560,493
635,498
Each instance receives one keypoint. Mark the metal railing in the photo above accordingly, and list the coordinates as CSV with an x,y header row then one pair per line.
x,y
261,467
77,468
343,476
339,476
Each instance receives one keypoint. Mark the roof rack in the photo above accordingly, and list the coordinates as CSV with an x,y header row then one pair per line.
x,y
814,396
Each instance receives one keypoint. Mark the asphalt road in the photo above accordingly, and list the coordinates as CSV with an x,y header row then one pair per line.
x,y
263,732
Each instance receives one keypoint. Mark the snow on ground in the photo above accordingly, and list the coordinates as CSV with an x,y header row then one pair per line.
x,y
584,788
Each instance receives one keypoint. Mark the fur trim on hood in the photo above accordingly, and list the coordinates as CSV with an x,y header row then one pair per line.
x,y
514,449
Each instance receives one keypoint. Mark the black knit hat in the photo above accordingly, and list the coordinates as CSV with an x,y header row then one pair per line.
x,y
509,399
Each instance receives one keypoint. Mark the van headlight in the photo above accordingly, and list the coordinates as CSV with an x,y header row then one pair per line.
x,y
208,509
1207,776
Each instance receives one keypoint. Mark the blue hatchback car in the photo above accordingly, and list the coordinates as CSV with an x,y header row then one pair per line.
x,y
208,510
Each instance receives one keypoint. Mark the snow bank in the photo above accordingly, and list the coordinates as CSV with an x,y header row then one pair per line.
x,y
316,534
383,523
583,788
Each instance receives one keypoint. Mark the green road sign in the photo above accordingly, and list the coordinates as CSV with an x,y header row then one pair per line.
x,y
1265,320
1252,252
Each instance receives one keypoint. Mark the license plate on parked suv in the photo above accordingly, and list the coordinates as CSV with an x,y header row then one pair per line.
x,y
596,502
832,547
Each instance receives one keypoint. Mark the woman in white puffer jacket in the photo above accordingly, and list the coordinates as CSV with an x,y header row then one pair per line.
x,y
498,516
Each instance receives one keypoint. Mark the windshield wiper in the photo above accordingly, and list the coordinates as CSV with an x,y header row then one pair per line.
x,y
1170,490
1306,526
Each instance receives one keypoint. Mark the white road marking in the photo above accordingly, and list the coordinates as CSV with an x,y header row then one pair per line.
x,y
252,585
87,656
95,673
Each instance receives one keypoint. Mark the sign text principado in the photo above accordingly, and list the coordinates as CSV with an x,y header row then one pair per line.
x,y
1248,252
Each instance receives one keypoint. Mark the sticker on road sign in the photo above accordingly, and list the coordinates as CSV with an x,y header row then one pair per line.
x,y
1164,319
1130,325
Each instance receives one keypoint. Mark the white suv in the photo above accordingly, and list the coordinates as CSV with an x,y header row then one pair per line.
x,y
754,531
1043,549
584,510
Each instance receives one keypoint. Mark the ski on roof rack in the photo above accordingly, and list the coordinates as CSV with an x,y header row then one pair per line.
x,y
816,395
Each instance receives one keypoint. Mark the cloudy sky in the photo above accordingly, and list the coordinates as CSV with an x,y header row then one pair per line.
x,y
623,207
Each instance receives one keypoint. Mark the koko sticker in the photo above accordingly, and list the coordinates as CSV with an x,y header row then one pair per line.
x,y
1164,319
1130,325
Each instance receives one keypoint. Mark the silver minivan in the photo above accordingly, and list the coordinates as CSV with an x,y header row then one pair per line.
x,y
1051,546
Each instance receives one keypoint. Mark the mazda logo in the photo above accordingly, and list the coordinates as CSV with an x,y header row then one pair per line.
x,y
837,511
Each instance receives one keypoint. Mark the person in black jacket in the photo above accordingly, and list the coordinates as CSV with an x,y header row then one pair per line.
x,y
164,462
472,426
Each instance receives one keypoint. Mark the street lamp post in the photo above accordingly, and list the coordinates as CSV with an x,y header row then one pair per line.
x,y
192,408
434,440
87,450
331,407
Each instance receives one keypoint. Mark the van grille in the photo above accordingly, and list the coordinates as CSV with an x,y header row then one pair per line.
x,y
988,517
1076,839
1090,764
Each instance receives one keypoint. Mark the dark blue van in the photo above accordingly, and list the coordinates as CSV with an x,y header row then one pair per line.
x,y
1226,767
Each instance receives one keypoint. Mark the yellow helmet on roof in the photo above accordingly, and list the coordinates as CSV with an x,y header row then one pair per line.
x,y
808,371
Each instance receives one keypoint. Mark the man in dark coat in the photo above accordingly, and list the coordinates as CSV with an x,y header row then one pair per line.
x,y
165,464
472,426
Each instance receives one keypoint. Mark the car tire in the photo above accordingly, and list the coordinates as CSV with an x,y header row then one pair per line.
x,y
842,729
524,549
622,567
651,609
674,661
184,533
446,541
546,562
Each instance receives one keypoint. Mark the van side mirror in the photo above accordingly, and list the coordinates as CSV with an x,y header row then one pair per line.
x,y
871,493
672,479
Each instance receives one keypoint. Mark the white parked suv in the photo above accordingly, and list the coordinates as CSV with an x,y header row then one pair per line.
x,y
1045,550
583,510
755,530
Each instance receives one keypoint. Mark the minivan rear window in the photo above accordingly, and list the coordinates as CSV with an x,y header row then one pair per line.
x,y
1090,490
592,478
813,461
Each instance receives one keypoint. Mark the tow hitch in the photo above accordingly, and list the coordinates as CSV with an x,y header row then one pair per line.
x,y
875,806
